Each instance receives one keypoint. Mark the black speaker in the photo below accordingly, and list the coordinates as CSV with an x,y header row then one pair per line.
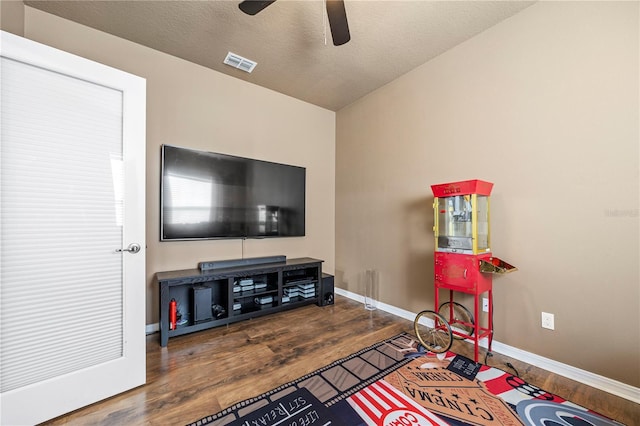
x,y
326,290
202,303
220,264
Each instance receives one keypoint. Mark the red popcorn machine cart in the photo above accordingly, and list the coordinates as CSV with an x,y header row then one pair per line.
x,y
463,263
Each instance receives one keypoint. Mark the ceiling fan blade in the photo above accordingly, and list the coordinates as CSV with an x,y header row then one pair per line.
x,y
337,16
251,7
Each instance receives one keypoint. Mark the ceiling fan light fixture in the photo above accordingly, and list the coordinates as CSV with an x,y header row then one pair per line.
x,y
239,62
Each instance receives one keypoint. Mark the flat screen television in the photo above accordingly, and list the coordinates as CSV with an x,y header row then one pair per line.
x,y
206,195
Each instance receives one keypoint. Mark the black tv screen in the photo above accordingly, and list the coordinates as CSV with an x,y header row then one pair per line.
x,y
206,195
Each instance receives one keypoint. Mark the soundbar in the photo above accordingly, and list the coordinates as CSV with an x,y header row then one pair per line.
x,y
220,264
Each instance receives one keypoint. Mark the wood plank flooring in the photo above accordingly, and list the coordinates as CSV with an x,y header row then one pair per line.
x,y
202,373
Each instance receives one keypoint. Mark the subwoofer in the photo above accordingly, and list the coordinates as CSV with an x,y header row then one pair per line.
x,y
202,303
326,290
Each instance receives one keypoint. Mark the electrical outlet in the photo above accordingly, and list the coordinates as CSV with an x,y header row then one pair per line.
x,y
485,304
548,321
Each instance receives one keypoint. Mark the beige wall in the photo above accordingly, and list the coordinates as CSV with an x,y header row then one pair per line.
x,y
192,106
12,16
545,105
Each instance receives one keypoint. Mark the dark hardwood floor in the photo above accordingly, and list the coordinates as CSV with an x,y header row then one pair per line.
x,y
202,373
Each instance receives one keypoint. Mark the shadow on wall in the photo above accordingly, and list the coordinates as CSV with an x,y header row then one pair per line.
x,y
365,283
419,221
339,279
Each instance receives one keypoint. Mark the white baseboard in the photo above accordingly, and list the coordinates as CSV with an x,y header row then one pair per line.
x,y
152,328
611,386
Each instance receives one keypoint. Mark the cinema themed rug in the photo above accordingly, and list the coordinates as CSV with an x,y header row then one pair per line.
x,y
396,383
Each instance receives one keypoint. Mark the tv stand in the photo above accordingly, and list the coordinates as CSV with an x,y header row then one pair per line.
x,y
214,297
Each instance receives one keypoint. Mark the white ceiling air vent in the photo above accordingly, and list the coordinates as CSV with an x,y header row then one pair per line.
x,y
239,62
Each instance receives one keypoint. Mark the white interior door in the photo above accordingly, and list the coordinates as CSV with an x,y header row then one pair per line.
x,y
72,183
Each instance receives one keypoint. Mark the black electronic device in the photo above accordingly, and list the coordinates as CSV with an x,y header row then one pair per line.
x,y
202,303
206,195
327,290
219,264
464,367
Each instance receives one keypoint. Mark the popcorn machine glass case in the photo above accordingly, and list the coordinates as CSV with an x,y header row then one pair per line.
x,y
462,217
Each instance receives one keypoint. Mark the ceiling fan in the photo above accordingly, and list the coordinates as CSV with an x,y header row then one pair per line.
x,y
336,15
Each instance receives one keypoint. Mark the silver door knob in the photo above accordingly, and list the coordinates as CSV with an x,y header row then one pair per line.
x,y
133,248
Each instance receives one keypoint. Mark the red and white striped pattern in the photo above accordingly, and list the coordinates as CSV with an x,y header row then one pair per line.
x,y
380,404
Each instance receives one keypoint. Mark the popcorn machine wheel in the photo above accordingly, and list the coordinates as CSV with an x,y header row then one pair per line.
x,y
436,332
433,331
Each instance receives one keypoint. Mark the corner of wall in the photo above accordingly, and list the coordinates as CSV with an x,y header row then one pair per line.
x,y
12,17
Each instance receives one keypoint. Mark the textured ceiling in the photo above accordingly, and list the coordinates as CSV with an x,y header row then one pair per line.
x,y
287,39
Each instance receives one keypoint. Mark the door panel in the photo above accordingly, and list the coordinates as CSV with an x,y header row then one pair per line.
x,y
72,194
